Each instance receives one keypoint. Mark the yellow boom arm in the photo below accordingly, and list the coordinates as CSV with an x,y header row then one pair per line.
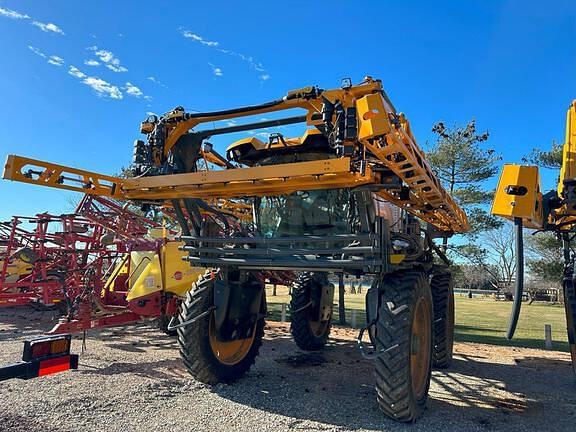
x,y
384,135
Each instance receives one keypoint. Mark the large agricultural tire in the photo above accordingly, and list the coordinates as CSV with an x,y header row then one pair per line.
x,y
405,314
308,334
570,307
207,359
442,288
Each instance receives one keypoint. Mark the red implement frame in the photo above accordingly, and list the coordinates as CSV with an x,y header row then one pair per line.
x,y
72,257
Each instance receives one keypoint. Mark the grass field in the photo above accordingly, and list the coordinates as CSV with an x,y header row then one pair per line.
x,y
477,320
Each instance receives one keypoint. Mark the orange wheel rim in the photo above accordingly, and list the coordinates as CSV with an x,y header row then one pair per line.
x,y
318,328
232,352
420,348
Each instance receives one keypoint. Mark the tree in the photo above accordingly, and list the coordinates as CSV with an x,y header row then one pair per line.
x,y
463,165
545,254
496,257
471,276
545,257
551,159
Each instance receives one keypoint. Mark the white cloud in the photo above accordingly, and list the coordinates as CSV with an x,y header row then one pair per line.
x,y
156,81
12,14
36,51
189,35
109,59
46,27
76,73
103,88
132,90
91,62
257,66
55,60
216,70
49,27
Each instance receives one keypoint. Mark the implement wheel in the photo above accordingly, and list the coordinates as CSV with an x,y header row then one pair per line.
x,y
443,297
570,307
162,322
309,332
61,306
405,314
206,358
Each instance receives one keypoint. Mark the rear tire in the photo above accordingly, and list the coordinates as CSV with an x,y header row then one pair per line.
x,y
442,288
402,375
309,335
207,359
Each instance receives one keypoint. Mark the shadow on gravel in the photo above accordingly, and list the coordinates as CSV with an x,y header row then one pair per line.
x,y
335,387
18,423
160,370
24,319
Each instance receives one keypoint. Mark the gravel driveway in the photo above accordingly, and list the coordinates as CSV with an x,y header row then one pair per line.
x,y
131,379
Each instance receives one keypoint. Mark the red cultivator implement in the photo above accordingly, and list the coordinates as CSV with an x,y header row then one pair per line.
x,y
36,262
80,262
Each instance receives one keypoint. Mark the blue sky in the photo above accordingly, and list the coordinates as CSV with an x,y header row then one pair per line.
x,y
76,78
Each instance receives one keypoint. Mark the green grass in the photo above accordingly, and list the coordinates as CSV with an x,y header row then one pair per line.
x,y
477,320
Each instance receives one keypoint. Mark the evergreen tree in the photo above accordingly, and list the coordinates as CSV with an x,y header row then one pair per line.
x,y
463,164
551,159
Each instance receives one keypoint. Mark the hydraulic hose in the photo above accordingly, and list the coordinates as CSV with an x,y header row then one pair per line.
x,y
519,285
180,217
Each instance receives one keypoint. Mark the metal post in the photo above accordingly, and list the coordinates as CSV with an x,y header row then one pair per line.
x,y
341,305
548,336
283,314
353,318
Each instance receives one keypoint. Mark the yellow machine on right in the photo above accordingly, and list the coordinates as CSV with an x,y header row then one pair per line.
x,y
519,198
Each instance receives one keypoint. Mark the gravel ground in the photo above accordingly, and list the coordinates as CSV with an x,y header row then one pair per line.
x,y
131,379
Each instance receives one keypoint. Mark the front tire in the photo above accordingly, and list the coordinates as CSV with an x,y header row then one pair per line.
x,y
309,333
404,319
206,358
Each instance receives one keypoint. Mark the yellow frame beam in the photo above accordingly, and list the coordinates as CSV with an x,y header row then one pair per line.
x,y
62,177
256,181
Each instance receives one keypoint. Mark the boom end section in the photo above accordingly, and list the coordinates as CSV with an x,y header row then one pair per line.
x,y
26,170
518,195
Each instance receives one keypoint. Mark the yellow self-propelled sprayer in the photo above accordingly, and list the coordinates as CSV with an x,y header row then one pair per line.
x,y
353,195
519,198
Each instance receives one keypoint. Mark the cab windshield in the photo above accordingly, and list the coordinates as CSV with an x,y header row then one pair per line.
x,y
318,212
